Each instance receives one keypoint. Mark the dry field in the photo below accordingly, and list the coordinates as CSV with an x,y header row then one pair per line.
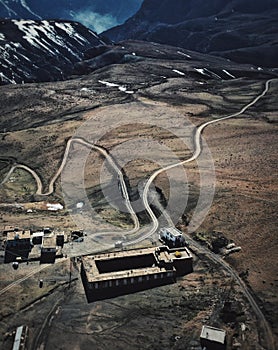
x,y
143,131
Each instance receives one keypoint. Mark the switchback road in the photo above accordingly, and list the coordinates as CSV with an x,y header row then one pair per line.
x,y
61,167
268,337
197,152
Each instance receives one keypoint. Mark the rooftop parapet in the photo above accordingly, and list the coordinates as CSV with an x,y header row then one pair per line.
x,y
129,271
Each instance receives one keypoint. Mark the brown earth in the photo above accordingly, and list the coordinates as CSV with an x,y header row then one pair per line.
x,y
36,124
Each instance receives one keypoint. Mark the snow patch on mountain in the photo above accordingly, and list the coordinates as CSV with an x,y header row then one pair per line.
x,y
67,27
183,54
31,33
121,88
178,72
229,74
43,50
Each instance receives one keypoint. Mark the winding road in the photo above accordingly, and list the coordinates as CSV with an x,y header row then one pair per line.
x,y
268,337
61,167
197,152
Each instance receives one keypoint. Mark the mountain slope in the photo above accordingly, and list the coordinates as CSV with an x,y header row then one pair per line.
x,y
242,30
94,14
32,51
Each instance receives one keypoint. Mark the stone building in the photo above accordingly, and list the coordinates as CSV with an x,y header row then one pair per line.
x,y
17,246
118,273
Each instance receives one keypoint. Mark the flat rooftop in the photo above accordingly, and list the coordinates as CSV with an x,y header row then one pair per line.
x,y
8,228
18,235
174,231
131,263
93,274
124,253
213,334
172,254
49,242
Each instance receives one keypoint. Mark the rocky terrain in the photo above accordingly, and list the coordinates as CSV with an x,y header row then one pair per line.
x,y
36,51
144,85
244,31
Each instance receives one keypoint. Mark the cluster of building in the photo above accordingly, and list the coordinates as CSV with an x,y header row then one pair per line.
x,y
113,274
19,243
116,273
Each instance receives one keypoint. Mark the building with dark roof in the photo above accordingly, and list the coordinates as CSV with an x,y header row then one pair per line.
x,y
17,246
48,250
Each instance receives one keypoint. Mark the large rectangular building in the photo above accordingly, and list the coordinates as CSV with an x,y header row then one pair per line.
x,y
109,275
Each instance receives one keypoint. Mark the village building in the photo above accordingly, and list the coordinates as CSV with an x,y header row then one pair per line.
x,y
172,237
119,273
48,250
17,245
20,338
212,338
60,239
9,228
37,237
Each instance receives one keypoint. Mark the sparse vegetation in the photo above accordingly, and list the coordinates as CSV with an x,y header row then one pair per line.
x,y
40,124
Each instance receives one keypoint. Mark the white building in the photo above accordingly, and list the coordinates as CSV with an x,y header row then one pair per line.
x,y
172,237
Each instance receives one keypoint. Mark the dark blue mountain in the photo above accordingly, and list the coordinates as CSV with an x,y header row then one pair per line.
x,y
98,15
245,31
